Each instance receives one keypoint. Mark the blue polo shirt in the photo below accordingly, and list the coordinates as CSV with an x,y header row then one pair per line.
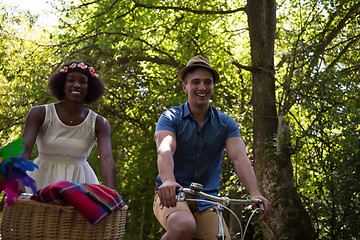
x,y
199,151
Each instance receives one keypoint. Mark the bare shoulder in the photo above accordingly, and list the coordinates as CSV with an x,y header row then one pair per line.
x,y
101,120
37,113
38,109
102,124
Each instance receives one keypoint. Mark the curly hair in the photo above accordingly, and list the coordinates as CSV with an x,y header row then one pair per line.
x,y
57,80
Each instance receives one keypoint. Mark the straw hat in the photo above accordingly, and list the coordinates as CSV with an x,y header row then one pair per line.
x,y
198,61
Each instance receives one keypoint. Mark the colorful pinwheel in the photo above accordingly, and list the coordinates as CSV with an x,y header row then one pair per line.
x,y
13,169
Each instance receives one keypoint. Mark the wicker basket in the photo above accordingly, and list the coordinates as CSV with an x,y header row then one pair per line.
x,y
29,220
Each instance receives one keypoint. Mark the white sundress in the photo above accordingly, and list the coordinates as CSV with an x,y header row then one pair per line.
x,y
63,150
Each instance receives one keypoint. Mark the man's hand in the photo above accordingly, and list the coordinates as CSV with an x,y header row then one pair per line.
x,y
267,207
167,193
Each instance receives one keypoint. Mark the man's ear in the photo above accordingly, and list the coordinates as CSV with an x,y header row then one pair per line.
x,y
184,87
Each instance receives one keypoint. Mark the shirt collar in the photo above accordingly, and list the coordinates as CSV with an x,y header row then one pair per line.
x,y
188,113
186,110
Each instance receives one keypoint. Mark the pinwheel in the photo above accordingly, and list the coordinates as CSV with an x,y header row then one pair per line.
x,y
13,169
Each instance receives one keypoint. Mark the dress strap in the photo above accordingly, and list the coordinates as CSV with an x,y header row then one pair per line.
x,y
92,123
48,120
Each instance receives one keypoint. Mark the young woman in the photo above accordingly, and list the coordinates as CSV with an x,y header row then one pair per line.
x,y
66,131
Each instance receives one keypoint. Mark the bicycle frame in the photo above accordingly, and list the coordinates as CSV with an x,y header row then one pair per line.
x,y
221,203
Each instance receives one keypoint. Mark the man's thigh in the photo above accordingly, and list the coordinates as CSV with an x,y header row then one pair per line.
x,y
162,213
207,225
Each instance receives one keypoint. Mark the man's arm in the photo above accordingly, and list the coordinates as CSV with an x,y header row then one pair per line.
x,y
236,150
166,145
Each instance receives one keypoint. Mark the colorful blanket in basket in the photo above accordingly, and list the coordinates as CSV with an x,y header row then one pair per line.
x,y
94,202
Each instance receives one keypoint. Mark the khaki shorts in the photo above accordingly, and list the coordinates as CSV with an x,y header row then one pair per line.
x,y
206,220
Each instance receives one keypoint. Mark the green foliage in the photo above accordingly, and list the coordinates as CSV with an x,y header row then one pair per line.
x,y
138,47
23,69
319,89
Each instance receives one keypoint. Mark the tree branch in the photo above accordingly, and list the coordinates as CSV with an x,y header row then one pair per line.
x,y
189,9
343,52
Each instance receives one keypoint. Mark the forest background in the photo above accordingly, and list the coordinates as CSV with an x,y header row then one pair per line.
x,y
289,76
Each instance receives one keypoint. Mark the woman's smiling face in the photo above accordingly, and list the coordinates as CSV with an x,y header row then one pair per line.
x,y
76,86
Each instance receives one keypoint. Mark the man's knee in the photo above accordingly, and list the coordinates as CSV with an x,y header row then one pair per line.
x,y
181,223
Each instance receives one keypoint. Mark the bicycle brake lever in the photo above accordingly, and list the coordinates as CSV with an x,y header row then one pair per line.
x,y
260,205
226,201
180,196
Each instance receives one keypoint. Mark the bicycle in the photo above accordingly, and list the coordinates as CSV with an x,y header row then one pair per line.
x,y
221,204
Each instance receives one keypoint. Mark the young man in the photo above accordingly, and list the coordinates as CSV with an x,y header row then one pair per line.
x,y
190,143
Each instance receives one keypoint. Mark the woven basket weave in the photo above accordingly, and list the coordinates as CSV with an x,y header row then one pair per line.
x,y
32,220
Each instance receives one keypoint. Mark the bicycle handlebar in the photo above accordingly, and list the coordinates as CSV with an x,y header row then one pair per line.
x,y
195,189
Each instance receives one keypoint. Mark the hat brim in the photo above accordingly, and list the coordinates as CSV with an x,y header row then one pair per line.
x,y
185,69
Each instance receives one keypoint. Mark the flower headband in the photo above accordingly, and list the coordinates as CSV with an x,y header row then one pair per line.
x,y
81,65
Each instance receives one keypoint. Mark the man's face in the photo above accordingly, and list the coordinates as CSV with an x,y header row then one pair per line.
x,y
199,86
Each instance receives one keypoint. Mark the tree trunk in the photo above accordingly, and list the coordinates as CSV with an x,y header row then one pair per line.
x,y
234,227
272,162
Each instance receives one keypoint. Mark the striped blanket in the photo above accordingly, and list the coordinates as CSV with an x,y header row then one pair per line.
x,y
94,202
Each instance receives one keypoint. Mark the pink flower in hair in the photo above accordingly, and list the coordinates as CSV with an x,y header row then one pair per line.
x,y
91,70
73,65
82,65
64,69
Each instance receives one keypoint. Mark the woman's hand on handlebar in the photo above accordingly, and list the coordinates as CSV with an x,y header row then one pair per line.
x,y
167,193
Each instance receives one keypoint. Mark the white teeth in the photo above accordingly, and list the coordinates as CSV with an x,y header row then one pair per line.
x,y
201,95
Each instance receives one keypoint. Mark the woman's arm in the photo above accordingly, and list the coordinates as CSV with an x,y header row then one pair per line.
x,y
34,120
103,134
